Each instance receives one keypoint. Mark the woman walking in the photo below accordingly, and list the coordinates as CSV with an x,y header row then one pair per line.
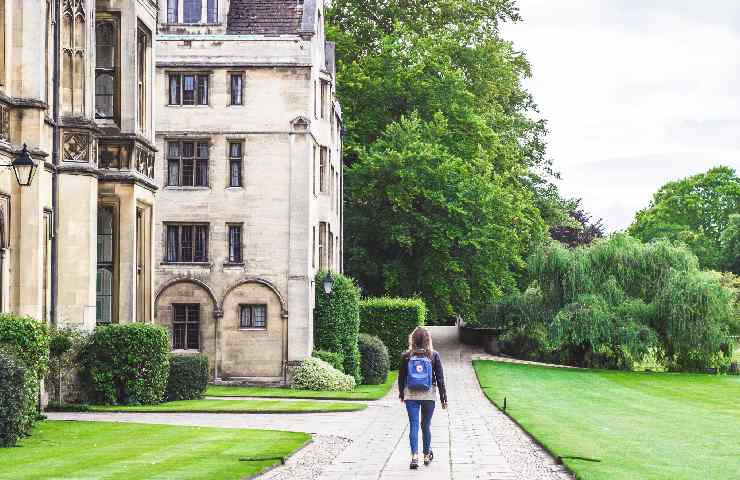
x,y
419,378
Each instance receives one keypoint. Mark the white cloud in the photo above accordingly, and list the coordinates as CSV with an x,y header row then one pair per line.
x,y
636,93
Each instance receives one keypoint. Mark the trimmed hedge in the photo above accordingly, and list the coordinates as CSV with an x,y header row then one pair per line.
x,y
315,374
337,321
126,364
188,377
374,357
392,320
12,399
28,340
334,359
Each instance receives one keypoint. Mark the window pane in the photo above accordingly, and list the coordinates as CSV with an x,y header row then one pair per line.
x,y
105,39
188,172
171,11
188,149
201,243
173,150
173,172
212,11
202,90
192,10
178,336
236,89
171,253
186,244
174,89
244,316
235,173
202,150
235,150
201,173
104,85
188,90
235,243
259,313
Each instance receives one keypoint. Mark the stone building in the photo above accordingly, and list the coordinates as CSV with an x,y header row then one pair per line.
x,y
250,180
77,86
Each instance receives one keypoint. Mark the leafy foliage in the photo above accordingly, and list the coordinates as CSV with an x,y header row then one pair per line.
x,y
188,377
439,222
126,364
316,374
617,303
696,211
438,120
730,246
12,399
28,340
581,231
392,320
337,321
65,347
334,359
374,358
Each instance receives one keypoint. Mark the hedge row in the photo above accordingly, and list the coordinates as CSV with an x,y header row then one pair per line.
x,y
392,320
13,377
188,378
337,321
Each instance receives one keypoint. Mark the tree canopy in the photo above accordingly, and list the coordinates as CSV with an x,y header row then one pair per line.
x,y
694,210
431,88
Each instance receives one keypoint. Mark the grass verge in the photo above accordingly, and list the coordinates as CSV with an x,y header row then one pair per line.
x,y
234,406
129,451
362,392
624,425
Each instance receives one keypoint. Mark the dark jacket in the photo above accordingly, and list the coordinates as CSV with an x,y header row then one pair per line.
x,y
438,375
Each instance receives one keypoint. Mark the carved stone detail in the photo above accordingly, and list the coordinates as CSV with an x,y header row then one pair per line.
x,y
4,122
76,147
145,162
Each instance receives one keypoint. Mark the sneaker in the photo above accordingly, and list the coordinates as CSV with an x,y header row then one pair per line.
x,y
428,458
414,464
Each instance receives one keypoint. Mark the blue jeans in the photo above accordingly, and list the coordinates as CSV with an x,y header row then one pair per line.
x,y
427,410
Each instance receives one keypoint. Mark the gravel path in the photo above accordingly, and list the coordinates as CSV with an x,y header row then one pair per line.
x,y
471,440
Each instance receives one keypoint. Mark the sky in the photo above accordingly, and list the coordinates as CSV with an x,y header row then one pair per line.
x,y
636,93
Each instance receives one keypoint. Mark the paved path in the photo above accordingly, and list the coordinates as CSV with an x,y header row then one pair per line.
x,y
472,440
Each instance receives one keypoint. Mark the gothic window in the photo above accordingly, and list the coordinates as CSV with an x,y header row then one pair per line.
x,y
235,164
186,327
188,89
252,316
73,34
172,8
322,246
235,244
237,89
106,47
323,166
187,243
187,164
105,270
212,11
143,42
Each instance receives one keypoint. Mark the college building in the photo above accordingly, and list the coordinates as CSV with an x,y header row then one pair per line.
x,y
187,171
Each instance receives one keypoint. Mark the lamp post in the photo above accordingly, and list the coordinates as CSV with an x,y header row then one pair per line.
x,y
328,283
23,166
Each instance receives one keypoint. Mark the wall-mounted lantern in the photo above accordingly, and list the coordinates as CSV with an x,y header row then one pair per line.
x,y
23,166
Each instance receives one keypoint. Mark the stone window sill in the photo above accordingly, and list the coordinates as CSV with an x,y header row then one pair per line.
x,y
186,188
185,352
233,264
253,329
186,264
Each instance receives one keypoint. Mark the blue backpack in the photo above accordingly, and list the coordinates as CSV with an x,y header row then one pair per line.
x,y
419,374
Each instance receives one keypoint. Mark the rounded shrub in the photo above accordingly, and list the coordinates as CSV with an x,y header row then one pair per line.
x,y
334,359
374,359
337,321
12,399
188,378
316,374
126,364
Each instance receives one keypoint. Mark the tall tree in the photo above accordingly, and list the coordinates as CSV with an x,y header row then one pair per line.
x,y
695,210
730,243
407,66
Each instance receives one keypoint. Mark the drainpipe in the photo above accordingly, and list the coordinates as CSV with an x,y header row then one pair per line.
x,y
55,162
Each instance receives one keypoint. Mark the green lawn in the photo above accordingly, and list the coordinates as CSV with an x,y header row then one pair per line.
x,y
624,425
235,406
362,392
128,451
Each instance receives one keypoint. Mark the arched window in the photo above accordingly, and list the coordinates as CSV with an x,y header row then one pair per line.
x,y
106,35
105,273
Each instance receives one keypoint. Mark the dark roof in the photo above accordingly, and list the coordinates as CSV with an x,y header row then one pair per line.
x,y
264,17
